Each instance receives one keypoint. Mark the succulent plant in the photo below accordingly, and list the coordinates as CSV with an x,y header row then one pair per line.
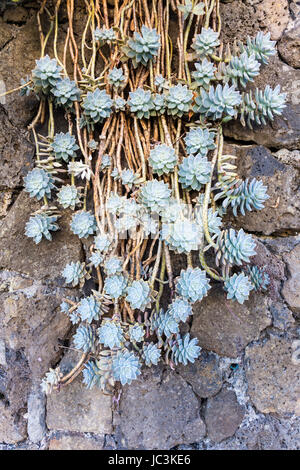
x,y
234,248
40,225
115,286
75,273
244,195
155,195
98,373
199,141
219,102
119,103
84,338
194,171
151,354
91,374
136,333
140,102
102,243
51,379
65,92
116,77
68,196
164,324
80,169
110,334
192,284
180,309
238,287
64,146
205,43
160,82
242,69
104,35
89,309
178,100
214,222
182,235
126,367
125,223
38,183
105,162
83,224
259,278
97,105
115,204
185,350
172,211
129,178
96,259
138,295
143,47
261,46
191,7
159,104
113,265
204,73
45,74
268,103
149,224
162,159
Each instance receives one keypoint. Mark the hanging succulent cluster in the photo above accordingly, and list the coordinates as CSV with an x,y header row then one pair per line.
x,y
143,169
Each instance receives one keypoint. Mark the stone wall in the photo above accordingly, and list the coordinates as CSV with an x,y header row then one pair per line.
x,y
244,391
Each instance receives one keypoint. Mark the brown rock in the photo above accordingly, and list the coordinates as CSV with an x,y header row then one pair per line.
x,y
225,326
291,287
76,442
204,375
43,261
74,408
289,45
273,379
12,430
159,411
223,415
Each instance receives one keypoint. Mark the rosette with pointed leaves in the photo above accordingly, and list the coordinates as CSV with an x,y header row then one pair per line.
x,y
155,195
178,100
89,309
136,333
91,374
75,273
126,367
261,46
242,69
261,107
149,224
102,243
129,178
205,43
80,169
110,334
194,171
151,354
162,159
83,224
105,162
160,82
234,247
214,222
204,73
199,141
125,223
65,92
45,74
39,226
143,47
98,373
115,204
96,259
64,146
68,196
244,196
138,295
159,105
140,103
115,286
182,235
113,265
84,338
104,35
116,77
38,183
218,102
238,287
259,278
164,324
185,350
97,105
172,211
119,103
192,284
191,7
180,309
51,379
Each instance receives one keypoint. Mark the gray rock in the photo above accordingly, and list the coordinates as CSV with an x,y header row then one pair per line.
x,y
36,427
225,326
273,378
223,415
11,429
76,442
289,45
291,287
282,316
159,411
